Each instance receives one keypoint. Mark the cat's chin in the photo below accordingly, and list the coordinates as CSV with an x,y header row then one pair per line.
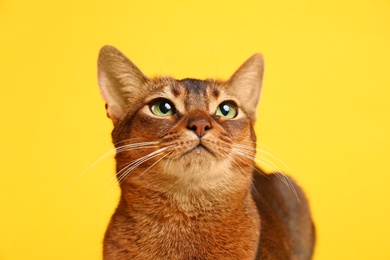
x,y
198,168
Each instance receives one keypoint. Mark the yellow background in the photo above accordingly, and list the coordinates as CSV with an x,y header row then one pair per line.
x,y
324,110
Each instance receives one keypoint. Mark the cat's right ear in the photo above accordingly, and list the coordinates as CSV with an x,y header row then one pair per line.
x,y
120,81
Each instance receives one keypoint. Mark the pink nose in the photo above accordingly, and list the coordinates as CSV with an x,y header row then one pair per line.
x,y
199,126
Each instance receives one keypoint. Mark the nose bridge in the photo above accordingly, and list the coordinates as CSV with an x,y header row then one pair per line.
x,y
197,114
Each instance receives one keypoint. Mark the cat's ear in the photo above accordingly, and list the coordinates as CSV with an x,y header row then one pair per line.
x,y
246,84
120,81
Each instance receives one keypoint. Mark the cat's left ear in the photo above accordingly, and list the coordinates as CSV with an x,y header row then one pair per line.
x,y
246,84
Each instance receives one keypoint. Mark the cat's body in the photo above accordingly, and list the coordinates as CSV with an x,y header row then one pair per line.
x,y
185,151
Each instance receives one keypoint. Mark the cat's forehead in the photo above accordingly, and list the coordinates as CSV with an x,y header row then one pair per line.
x,y
198,87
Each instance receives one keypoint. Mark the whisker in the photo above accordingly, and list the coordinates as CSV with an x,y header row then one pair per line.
x,y
266,162
249,153
246,175
116,150
123,173
171,161
135,145
238,152
139,161
268,154
162,157
131,140
277,159
104,156
119,150
285,179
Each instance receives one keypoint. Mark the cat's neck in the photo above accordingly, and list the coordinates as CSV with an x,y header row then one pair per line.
x,y
189,196
202,225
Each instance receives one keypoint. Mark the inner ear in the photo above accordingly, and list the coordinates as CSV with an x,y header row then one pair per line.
x,y
121,83
246,84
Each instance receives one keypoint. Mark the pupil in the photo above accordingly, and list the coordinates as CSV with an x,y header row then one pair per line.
x,y
165,107
225,110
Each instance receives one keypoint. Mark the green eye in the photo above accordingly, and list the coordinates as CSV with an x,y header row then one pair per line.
x,y
227,110
162,108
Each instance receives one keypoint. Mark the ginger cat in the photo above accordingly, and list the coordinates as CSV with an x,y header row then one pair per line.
x,y
185,164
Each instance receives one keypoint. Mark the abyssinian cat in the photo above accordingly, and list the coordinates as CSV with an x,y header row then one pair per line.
x,y
185,164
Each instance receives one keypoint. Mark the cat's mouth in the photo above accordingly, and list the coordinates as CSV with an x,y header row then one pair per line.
x,y
199,150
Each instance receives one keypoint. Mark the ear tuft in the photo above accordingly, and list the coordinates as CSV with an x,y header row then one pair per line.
x,y
246,84
120,81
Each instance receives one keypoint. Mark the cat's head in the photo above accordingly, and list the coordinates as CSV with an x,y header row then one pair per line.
x,y
191,130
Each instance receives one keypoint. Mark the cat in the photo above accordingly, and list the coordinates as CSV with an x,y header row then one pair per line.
x,y
185,165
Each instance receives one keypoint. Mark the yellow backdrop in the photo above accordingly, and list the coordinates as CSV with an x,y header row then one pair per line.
x,y
324,110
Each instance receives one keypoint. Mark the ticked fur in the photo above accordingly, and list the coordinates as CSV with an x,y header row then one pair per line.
x,y
187,185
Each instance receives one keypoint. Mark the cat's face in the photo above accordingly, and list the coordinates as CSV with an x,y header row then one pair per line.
x,y
188,129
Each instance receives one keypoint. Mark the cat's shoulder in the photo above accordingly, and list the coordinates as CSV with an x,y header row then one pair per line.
x,y
278,189
285,214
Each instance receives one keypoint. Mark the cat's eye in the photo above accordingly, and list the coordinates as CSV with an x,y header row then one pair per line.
x,y
162,107
227,110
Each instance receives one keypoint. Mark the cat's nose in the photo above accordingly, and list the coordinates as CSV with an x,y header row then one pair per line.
x,y
199,126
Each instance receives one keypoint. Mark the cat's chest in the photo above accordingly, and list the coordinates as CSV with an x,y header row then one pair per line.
x,y
179,237
162,225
